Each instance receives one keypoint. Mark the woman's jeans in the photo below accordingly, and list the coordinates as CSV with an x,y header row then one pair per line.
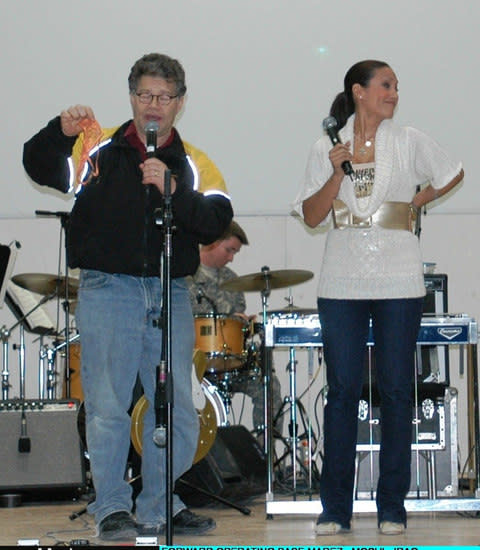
x,y
345,331
117,317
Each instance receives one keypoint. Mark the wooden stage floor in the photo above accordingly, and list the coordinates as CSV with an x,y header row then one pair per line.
x,y
50,524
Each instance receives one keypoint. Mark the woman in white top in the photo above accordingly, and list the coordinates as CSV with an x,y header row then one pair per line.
x,y
371,270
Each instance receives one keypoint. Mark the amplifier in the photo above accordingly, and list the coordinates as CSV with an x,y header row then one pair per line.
x,y
41,446
433,361
436,299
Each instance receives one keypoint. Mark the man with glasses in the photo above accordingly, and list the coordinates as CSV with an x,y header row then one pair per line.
x,y
116,241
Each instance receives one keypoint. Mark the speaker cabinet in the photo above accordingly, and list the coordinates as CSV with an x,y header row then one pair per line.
x,y
432,361
434,465
235,468
428,420
41,446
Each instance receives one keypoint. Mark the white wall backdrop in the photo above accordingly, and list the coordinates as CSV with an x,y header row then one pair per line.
x,y
261,75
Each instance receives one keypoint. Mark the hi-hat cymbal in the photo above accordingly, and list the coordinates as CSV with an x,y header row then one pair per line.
x,y
267,280
45,284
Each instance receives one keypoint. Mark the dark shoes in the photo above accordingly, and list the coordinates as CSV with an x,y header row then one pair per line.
x,y
117,526
184,523
188,523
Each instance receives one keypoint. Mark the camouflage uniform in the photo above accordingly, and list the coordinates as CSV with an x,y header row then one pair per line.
x,y
206,282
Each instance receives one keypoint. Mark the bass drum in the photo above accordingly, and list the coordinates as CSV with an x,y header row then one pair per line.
x,y
208,403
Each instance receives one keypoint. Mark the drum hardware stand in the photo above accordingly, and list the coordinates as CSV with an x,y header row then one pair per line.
x,y
21,362
64,221
5,334
49,374
265,281
293,427
299,447
8,255
225,389
267,387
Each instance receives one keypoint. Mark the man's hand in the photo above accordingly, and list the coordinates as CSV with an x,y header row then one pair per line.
x,y
70,118
154,173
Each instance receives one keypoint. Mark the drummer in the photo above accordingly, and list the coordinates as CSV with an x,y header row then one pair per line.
x,y
208,298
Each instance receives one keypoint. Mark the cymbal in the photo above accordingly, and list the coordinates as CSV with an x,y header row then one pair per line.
x,y
45,284
275,279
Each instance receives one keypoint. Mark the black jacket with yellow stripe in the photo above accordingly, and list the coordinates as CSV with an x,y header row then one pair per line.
x,y
112,225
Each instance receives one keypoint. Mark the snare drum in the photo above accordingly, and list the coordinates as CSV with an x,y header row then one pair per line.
x,y
221,338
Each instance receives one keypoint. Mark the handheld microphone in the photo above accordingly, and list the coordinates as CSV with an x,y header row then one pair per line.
x,y
160,431
330,126
151,129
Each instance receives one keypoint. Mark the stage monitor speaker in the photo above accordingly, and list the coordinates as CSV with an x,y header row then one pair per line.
x,y
235,468
41,446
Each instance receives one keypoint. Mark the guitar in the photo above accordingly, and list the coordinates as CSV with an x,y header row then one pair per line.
x,y
204,401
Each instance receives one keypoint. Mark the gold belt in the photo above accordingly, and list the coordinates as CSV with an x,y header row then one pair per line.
x,y
390,215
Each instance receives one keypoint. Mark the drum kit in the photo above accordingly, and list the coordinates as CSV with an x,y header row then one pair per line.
x,y
234,348
228,349
30,317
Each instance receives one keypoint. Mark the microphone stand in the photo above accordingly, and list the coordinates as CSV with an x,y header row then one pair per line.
x,y
164,388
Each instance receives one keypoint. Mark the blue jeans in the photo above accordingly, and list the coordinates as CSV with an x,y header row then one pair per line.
x,y
115,317
345,328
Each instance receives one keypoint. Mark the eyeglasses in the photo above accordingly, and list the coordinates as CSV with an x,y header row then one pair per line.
x,y
147,98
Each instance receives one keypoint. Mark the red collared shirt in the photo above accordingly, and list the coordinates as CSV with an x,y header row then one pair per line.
x,y
131,135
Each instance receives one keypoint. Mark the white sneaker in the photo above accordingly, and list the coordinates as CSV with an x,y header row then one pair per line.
x,y
329,528
391,528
